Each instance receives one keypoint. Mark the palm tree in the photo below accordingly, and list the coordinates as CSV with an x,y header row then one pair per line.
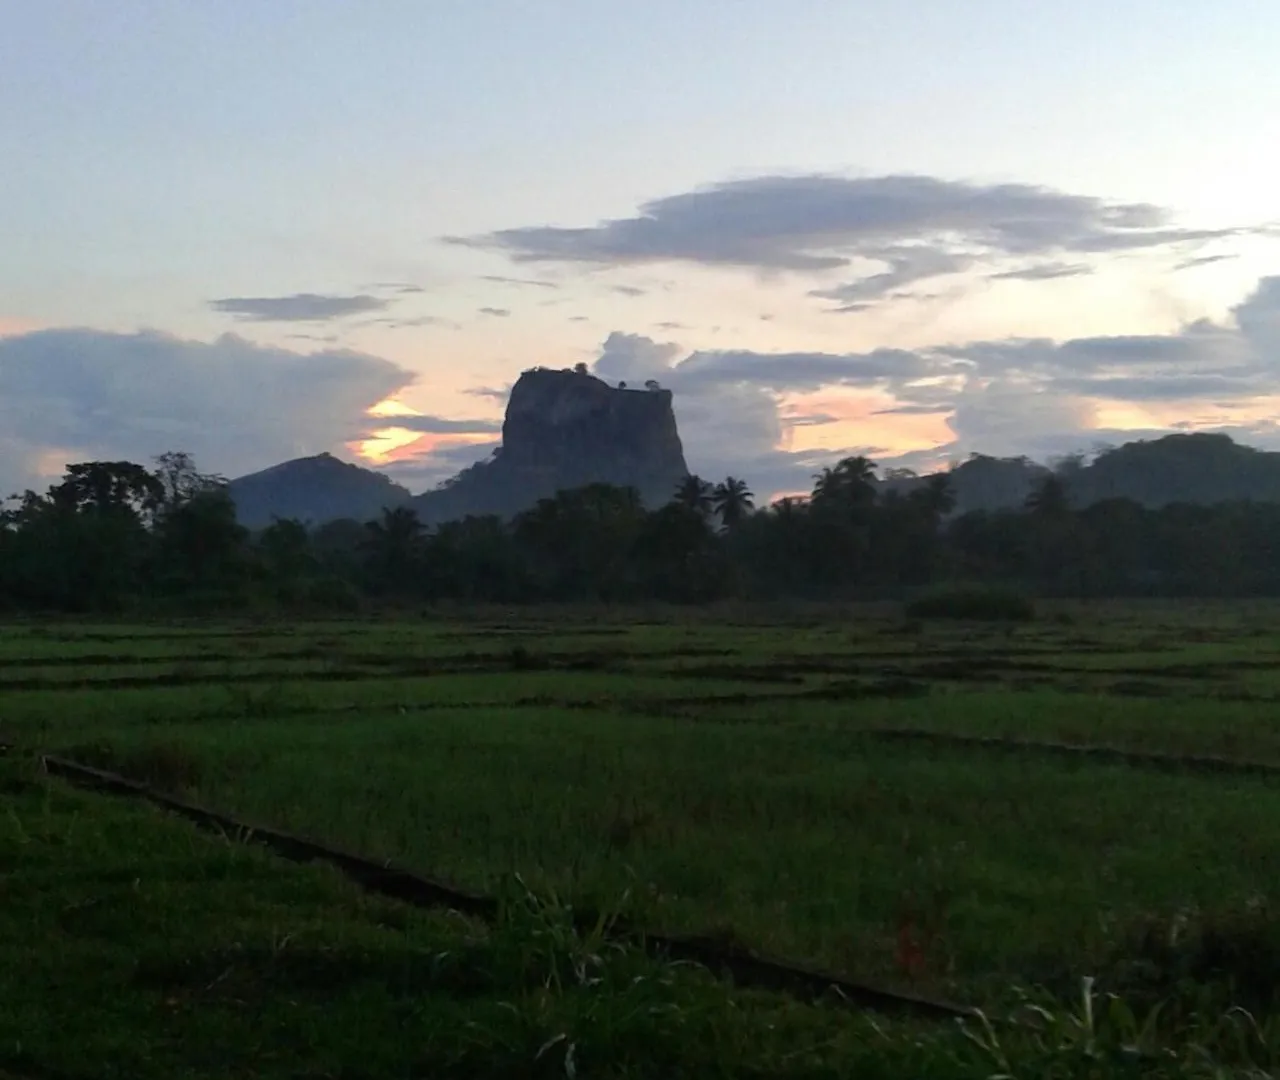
x,y
695,493
732,500
850,480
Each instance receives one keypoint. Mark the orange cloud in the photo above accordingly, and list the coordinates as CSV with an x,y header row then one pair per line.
x,y
391,407
12,326
858,419
390,444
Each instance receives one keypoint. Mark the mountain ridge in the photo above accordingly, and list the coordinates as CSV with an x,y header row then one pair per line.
x,y
567,428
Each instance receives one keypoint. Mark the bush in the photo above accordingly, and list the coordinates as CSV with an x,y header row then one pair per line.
x,y
984,602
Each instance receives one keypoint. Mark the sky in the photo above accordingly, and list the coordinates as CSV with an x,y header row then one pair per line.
x,y
257,231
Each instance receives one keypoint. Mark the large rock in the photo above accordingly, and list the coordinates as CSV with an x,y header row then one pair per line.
x,y
565,429
314,490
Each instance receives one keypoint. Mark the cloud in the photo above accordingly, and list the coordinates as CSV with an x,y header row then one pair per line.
x,y
443,425
803,371
490,393
907,265
1043,272
403,324
301,307
424,471
1011,396
629,290
1202,260
823,222
531,283
913,410
326,339
71,395
496,312
996,417
726,408
404,288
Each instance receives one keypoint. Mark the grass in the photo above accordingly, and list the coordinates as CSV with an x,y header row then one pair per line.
x,y
131,945
708,775
807,844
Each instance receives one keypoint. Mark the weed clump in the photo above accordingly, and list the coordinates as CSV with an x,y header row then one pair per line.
x,y
1231,955
986,603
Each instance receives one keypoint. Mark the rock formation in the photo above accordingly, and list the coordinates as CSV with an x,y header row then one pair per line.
x,y
314,490
564,429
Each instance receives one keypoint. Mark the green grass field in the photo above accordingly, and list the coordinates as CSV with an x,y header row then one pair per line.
x,y
724,775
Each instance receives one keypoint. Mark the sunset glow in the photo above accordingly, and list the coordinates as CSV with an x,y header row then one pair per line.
x,y
927,269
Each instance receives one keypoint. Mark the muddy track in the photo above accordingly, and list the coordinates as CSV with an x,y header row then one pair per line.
x,y
744,966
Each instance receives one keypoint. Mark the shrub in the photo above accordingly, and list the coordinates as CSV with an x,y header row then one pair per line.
x,y
984,602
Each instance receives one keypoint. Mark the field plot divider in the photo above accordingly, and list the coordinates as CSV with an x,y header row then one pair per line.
x,y
745,967
1081,751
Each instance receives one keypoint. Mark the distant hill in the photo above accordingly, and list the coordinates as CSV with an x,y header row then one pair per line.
x,y
1183,468
314,490
984,483
1193,468
565,429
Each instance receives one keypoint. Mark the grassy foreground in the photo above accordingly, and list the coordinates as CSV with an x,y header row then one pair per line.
x,y
723,777
133,946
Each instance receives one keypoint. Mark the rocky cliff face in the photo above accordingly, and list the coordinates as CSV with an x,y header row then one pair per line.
x,y
564,429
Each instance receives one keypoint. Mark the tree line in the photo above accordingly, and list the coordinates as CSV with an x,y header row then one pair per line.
x,y
117,536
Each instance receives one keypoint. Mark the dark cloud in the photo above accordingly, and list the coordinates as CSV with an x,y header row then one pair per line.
x,y
496,312
1166,387
907,265
1202,260
823,222
442,425
802,371
83,394
301,307
531,283
326,339
415,321
629,290
912,410
404,288
1043,272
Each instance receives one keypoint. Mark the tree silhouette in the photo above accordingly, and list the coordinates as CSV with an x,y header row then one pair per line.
x,y
1049,498
392,546
694,493
732,500
850,483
